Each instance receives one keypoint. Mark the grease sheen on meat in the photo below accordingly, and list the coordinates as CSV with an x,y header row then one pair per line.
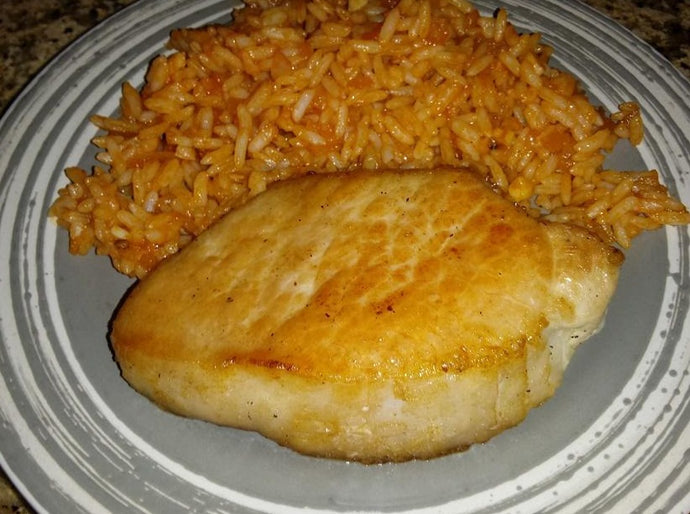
x,y
375,316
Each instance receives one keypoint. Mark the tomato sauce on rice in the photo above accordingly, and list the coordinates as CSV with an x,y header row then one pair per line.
x,y
328,85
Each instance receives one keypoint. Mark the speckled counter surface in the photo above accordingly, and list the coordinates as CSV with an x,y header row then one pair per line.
x,y
33,31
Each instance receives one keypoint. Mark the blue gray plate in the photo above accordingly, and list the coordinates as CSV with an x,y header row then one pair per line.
x,y
75,438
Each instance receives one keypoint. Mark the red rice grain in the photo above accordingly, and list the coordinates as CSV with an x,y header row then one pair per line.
x,y
328,85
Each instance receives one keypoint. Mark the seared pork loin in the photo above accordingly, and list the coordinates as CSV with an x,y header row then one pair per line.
x,y
369,316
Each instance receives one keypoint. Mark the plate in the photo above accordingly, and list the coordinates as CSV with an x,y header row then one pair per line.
x,y
75,438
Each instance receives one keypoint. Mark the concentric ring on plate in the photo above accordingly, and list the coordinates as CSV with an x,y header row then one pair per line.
x,y
100,447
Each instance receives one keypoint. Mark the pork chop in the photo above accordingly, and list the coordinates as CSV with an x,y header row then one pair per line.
x,y
370,316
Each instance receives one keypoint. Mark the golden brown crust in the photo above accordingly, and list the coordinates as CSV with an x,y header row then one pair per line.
x,y
365,285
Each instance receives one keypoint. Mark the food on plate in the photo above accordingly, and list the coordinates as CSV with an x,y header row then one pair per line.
x,y
327,86
371,316
369,230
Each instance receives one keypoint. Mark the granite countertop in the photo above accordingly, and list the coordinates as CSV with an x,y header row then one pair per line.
x,y
33,31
